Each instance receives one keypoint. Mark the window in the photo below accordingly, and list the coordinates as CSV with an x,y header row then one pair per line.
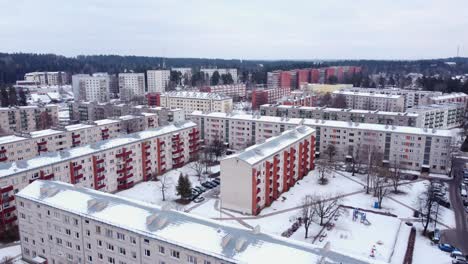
x,y
122,251
110,247
68,232
88,245
88,232
99,243
98,230
99,255
146,241
133,240
120,236
191,259
90,258
110,260
147,252
175,254
161,250
109,233
69,244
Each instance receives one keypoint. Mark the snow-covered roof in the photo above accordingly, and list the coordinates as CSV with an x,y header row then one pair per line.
x,y
10,139
209,237
197,95
329,123
393,96
50,158
105,122
44,133
259,152
448,96
128,117
26,107
330,109
77,127
148,114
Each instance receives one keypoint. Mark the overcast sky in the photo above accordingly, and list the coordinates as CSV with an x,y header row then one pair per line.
x,y
244,29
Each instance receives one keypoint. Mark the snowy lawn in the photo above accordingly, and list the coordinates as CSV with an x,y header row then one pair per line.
x,y
425,252
358,239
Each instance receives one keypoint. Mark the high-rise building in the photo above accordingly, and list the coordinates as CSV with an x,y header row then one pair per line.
x,y
95,88
158,80
46,78
131,85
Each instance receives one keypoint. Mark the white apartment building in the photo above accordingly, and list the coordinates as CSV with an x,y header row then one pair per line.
x,y
196,101
446,115
158,80
27,118
47,78
209,72
407,118
109,165
186,72
60,223
254,178
95,88
131,85
418,149
412,97
28,145
232,90
454,98
372,101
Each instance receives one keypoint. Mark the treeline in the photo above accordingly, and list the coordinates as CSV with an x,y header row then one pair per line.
x,y
446,85
11,97
13,66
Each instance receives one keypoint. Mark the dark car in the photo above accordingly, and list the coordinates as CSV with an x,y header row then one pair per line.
x,y
207,185
459,260
199,199
200,189
447,248
443,202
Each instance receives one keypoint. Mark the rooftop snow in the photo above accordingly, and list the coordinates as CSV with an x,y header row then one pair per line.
x,y
77,127
44,133
10,168
272,145
368,94
330,109
329,123
105,122
197,95
10,139
449,96
182,229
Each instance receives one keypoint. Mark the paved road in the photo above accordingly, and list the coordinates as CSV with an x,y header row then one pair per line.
x,y
458,236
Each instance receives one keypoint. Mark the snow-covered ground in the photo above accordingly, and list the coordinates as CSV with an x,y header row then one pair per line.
x,y
13,252
426,252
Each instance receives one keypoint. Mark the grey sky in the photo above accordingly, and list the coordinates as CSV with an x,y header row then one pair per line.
x,y
245,29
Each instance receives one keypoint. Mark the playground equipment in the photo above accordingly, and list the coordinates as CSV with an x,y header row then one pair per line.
x,y
356,215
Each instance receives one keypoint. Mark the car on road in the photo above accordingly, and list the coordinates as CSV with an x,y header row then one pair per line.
x,y
459,260
436,236
447,247
199,199
443,202
193,197
456,253
200,189
218,180
215,183
207,185
463,192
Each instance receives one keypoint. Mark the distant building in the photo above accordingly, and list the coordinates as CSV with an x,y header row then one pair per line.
x,y
186,74
193,101
95,88
47,78
372,101
131,85
27,118
232,90
268,96
158,80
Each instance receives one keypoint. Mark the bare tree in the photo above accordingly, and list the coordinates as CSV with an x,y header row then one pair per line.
x,y
374,162
164,184
199,167
325,206
428,206
395,175
323,168
308,213
339,101
356,159
6,260
330,151
381,189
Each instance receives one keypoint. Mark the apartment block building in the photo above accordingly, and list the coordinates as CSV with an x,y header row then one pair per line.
x,y
412,97
268,96
158,80
24,146
60,223
209,72
446,115
47,78
418,149
298,99
454,98
232,90
131,85
372,101
255,177
109,165
94,88
186,72
27,118
196,101
412,119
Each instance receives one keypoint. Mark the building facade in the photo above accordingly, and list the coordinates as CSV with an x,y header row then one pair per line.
x,y
27,118
47,78
232,90
209,72
60,223
158,80
268,96
95,88
418,149
255,177
446,115
131,85
372,101
109,166
196,101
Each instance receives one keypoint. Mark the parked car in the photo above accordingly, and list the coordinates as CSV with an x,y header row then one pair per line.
x,y
463,193
459,260
443,202
215,183
199,199
200,189
465,202
207,185
193,197
447,248
436,236
218,180
456,253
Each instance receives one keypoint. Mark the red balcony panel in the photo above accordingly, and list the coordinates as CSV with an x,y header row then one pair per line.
x,y
6,189
79,176
148,161
4,158
100,186
105,130
147,146
76,136
9,209
10,220
148,168
78,167
99,161
258,199
42,143
100,178
6,199
42,149
2,151
129,160
76,142
48,177
101,169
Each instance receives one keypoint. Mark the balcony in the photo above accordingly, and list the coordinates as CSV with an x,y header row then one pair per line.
x,y
105,130
147,146
3,151
79,167
47,177
76,142
10,220
100,178
129,160
194,132
42,149
4,158
75,136
42,143
177,151
6,189
100,169
100,186
9,209
6,199
79,176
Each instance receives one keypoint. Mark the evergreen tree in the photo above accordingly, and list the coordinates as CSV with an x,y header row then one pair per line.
x,y
12,97
4,97
215,78
184,187
22,100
